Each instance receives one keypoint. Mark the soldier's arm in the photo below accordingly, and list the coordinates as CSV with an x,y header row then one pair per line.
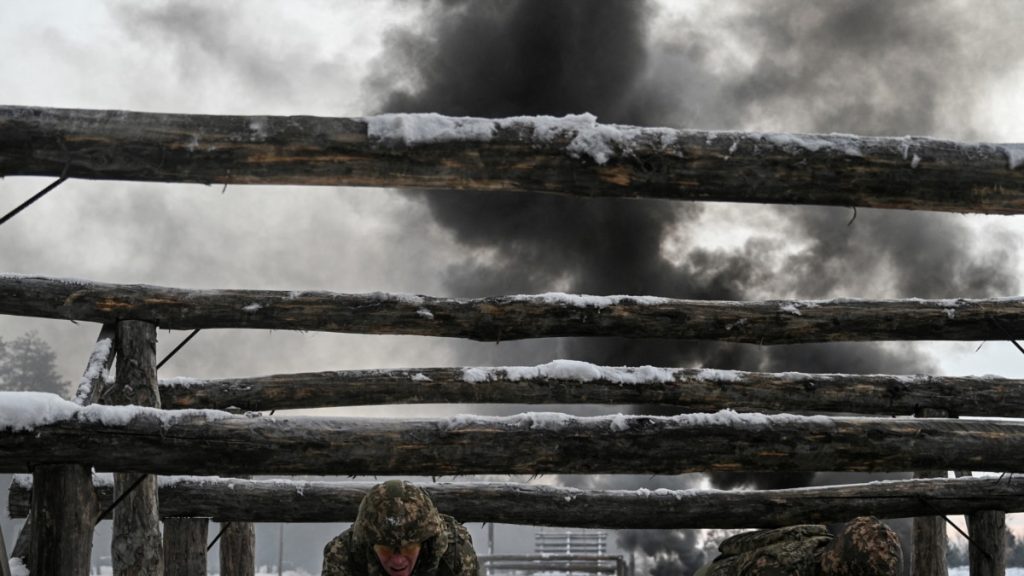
x,y
470,565
336,555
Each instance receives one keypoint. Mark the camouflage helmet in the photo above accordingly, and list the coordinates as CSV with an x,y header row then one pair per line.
x,y
397,513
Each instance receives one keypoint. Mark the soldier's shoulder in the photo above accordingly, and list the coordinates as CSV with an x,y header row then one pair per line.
x,y
463,547
336,555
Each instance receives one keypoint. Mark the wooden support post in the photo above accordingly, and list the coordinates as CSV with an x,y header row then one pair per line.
x,y
5,566
136,547
929,557
238,550
64,511
988,551
24,541
72,536
185,546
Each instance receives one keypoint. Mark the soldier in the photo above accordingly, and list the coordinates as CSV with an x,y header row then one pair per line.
x,y
865,547
399,532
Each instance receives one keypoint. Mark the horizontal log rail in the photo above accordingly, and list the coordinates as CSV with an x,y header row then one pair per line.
x,y
569,382
135,439
225,499
572,155
517,317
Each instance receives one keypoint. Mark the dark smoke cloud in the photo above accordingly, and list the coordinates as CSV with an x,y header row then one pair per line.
x,y
846,66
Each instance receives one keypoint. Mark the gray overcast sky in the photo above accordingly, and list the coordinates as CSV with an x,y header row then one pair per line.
x,y
313,57
944,69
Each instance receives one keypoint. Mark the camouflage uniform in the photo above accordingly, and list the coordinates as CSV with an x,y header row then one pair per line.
x,y
865,547
397,513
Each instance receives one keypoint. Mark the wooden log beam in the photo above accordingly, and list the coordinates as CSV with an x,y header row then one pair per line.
x,y
570,382
205,442
517,317
231,499
572,156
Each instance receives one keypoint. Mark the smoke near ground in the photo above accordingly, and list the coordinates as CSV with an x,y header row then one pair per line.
x,y
847,66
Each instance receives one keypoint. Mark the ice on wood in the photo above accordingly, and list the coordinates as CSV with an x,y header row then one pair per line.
x,y
585,136
182,382
588,301
1014,155
94,370
26,411
557,421
572,370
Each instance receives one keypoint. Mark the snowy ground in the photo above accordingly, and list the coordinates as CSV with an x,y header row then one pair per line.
x,y
964,571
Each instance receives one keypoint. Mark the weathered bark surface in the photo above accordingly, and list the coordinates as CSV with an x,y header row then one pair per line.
x,y
238,550
185,546
90,387
930,541
693,390
166,442
64,512
136,545
988,531
929,532
281,501
517,317
912,173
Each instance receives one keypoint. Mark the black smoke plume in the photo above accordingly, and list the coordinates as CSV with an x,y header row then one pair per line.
x,y
846,66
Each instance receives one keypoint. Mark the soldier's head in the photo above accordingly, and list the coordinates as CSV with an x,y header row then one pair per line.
x,y
396,519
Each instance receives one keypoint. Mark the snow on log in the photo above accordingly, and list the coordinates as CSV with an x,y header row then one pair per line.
x,y
572,155
517,316
231,499
574,382
38,428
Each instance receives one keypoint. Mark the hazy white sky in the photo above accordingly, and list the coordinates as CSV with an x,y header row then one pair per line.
x,y
314,57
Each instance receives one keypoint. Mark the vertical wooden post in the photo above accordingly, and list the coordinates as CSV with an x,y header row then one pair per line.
x,y
930,541
185,546
238,550
5,566
988,531
136,547
23,544
64,509
61,542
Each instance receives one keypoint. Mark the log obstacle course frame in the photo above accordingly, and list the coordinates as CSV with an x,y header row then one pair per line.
x,y
571,156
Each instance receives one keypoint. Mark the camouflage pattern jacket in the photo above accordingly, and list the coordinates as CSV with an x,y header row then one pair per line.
x,y
450,553
865,547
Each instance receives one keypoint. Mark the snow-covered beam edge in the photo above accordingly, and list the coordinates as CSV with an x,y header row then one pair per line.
x,y
38,428
230,499
574,382
573,155
517,316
